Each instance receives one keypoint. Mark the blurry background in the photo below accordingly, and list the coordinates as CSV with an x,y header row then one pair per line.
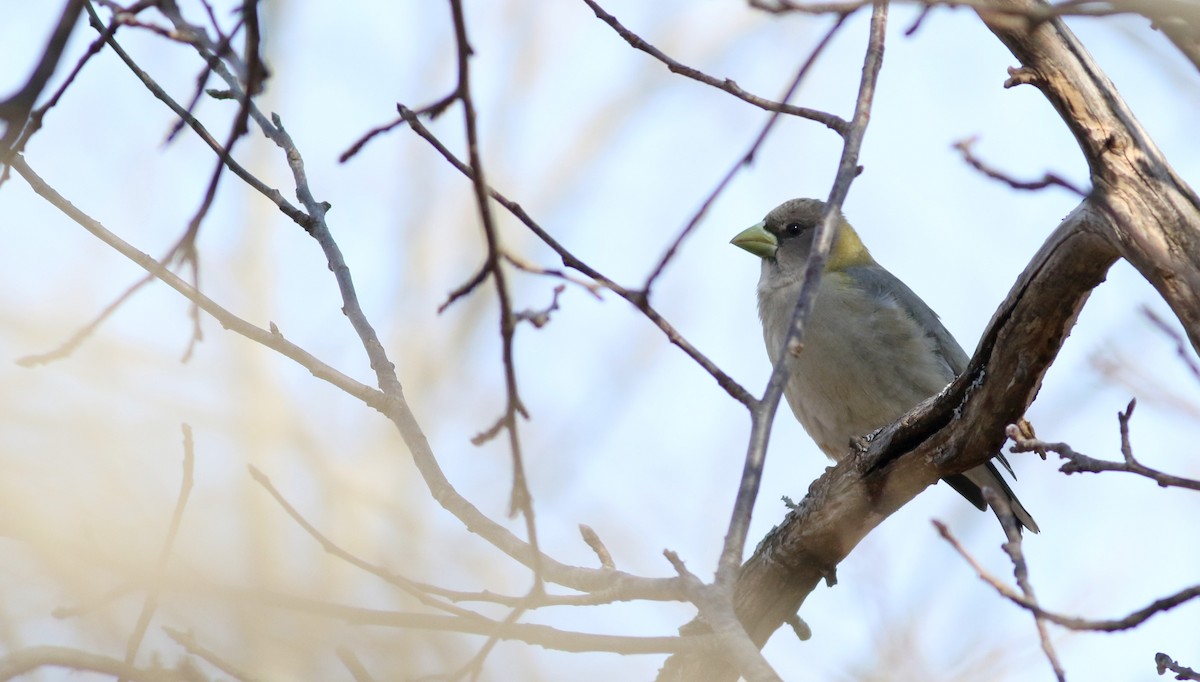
x,y
612,154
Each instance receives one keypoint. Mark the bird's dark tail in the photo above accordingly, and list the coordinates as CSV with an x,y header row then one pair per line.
x,y
971,483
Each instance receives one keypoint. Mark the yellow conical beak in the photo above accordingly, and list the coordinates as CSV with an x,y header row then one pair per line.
x,y
757,241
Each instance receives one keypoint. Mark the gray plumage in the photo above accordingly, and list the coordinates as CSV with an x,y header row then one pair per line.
x,y
872,348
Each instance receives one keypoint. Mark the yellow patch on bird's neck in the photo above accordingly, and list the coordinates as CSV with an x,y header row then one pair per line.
x,y
848,250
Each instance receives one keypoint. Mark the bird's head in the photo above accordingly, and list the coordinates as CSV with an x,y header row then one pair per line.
x,y
785,238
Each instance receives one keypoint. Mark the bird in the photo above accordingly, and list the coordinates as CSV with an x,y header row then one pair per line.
x,y
872,348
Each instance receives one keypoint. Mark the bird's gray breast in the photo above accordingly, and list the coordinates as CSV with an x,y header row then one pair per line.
x,y
865,361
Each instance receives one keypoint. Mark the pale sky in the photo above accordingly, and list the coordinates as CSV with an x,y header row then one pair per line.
x,y
612,154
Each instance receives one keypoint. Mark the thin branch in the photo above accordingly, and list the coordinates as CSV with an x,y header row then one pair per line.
x,y
15,109
317,227
24,661
718,605
521,499
1132,620
726,382
763,414
273,340
531,633
222,51
745,160
353,665
391,401
540,318
834,123
1078,462
418,590
36,116
188,641
431,110
1047,180
185,249
593,540
396,408
69,346
467,287
1012,547
275,196
525,266
361,142
150,605
1164,663
1181,348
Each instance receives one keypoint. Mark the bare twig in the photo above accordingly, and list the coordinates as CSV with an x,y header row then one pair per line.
x,y
521,500
1132,620
1181,348
1078,462
525,266
763,414
716,604
540,318
744,161
186,249
916,24
85,332
418,590
275,196
389,399
188,641
530,633
34,122
726,382
23,661
1048,179
834,123
431,110
1164,663
150,605
15,109
593,540
355,667
467,287
1012,548
272,340
361,142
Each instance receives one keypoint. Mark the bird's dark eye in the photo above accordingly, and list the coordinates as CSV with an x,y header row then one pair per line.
x,y
793,229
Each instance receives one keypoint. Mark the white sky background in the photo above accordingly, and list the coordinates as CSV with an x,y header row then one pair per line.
x,y
612,154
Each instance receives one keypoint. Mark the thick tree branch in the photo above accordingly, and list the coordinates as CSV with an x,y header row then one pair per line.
x,y
1155,215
